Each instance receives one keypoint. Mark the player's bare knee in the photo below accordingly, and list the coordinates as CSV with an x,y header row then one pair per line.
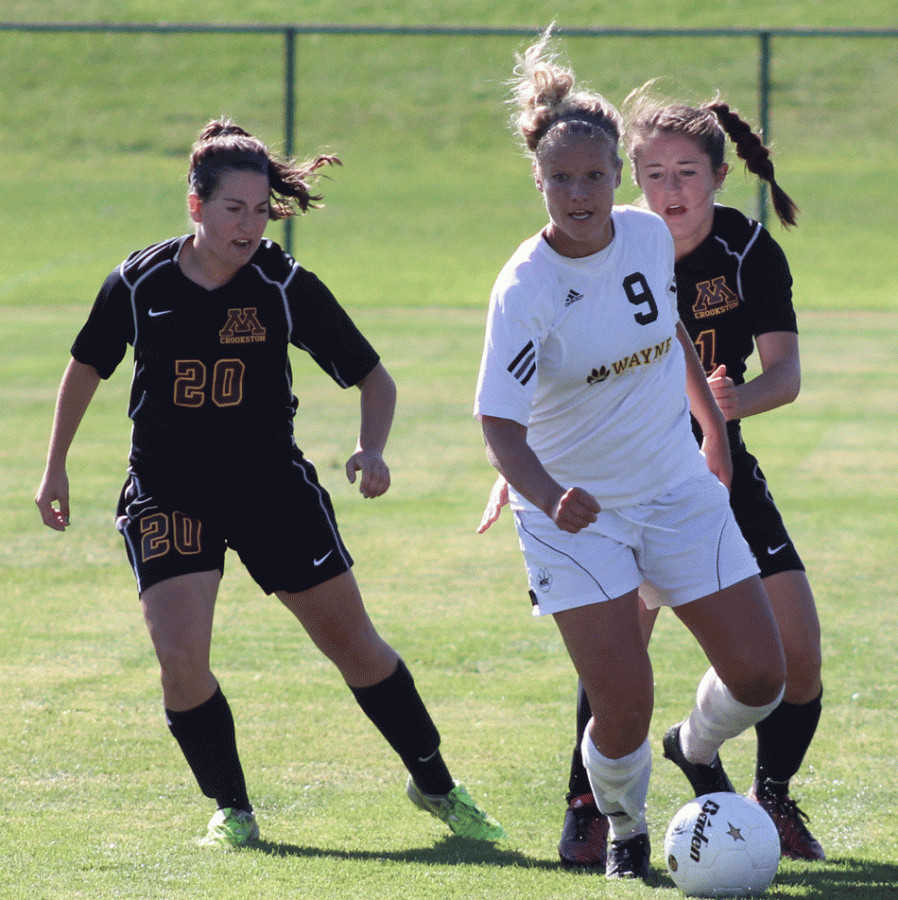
x,y
180,667
803,682
622,729
760,687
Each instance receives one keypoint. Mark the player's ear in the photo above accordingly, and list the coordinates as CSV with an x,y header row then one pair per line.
x,y
195,207
536,176
721,174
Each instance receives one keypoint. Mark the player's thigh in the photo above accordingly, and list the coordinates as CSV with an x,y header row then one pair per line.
x,y
647,619
606,645
736,629
334,616
179,612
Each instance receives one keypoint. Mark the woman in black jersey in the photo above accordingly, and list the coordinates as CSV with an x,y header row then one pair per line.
x,y
214,465
734,292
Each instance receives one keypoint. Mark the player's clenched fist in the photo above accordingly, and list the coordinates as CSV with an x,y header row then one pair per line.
x,y
575,510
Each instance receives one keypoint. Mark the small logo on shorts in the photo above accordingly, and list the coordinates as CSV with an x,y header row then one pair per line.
x,y
318,562
543,580
774,550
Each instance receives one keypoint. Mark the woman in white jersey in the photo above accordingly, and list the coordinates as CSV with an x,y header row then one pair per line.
x,y
734,294
582,397
214,465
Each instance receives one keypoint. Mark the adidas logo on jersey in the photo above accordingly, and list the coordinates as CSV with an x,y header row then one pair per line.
x,y
572,297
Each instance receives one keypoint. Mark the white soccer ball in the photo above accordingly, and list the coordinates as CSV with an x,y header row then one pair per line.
x,y
722,845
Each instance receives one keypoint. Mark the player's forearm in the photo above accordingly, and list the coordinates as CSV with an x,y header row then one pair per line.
x,y
779,381
76,390
775,387
508,451
378,405
701,401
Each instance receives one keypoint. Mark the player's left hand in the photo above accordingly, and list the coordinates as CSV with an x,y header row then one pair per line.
x,y
725,393
498,499
375,478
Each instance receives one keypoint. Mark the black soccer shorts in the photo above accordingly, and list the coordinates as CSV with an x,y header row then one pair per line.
x,y
284,530
760,520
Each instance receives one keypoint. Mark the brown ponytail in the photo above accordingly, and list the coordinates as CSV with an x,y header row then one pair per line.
x,y
751,149
223,146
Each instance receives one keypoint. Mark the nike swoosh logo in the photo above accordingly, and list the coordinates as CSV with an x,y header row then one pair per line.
x,y
318,562
159,312
772,550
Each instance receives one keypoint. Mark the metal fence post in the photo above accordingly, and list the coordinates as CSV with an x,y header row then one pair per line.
x,y
289,106
764,106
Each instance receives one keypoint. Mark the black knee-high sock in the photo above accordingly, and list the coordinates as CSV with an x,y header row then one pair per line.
x,y
398,711
208,741
783,739
578,783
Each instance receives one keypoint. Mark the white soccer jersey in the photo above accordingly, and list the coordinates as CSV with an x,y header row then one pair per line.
x,y
584,353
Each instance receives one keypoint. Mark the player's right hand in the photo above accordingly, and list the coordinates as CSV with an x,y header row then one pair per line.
x,y
575,510
54,490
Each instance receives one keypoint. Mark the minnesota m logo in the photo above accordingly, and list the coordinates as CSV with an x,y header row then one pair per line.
x,y
242,327
713,298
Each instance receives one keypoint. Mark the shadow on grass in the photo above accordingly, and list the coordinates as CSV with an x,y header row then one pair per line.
x,y
835,879
843,877
448,851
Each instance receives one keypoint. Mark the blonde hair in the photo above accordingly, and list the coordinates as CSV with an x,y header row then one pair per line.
x,y
548,107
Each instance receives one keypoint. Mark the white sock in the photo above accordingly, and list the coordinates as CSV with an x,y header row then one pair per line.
x,y
620,786
716,717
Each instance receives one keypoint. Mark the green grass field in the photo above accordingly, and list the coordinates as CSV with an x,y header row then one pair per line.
x,y
432,199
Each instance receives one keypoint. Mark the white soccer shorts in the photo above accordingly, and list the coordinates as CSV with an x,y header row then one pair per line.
x,y
680,547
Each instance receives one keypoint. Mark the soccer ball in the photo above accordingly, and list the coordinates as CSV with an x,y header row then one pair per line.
x,y
722,845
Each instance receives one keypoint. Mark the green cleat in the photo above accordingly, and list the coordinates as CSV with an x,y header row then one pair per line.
x,y
231,829
463,816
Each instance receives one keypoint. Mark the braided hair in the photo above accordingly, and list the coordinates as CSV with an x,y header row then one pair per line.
x,y
709,125
223,146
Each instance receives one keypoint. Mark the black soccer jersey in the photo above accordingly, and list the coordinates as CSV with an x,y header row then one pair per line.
x,y
734,286
212,377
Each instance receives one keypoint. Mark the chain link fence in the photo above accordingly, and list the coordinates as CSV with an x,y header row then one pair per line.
x,y
105,114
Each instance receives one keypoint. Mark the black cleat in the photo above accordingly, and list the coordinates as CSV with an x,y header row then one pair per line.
x,y
796,842
584,835
629,858
704,779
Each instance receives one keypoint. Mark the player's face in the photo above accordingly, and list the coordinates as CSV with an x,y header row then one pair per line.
x,y
578,177
231,223
679,185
